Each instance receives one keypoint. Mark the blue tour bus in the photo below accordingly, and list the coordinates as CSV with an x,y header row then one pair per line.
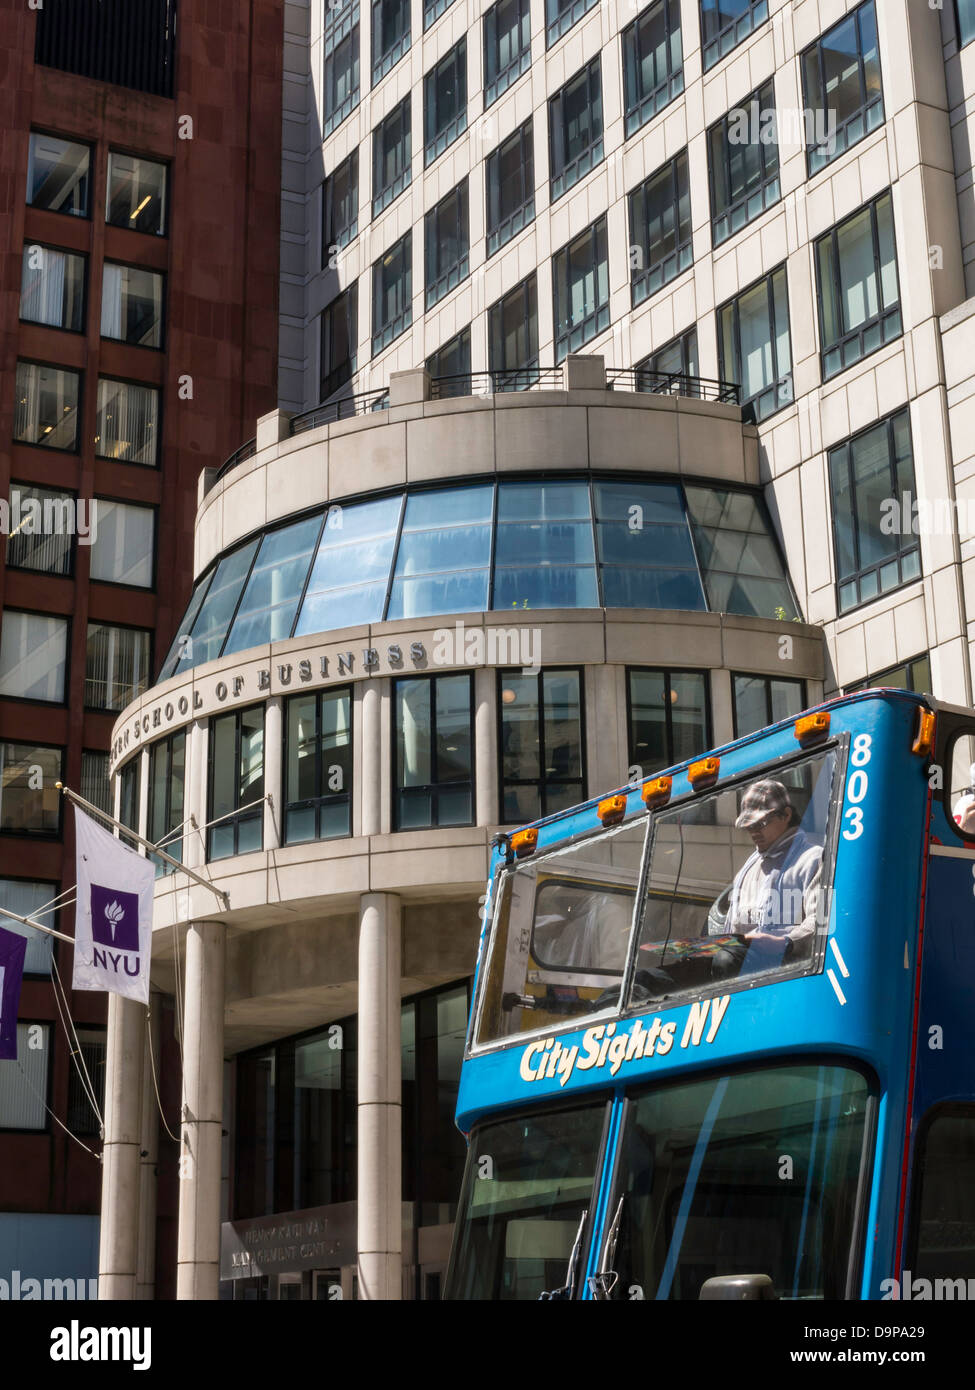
x,y
658,1107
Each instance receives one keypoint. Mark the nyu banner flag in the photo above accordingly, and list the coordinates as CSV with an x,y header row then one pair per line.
x,y
12,949
113,919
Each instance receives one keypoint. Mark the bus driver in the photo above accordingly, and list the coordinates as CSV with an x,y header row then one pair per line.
x,y
774,907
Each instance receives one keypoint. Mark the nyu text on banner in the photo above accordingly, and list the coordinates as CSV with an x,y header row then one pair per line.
x,y
113,918
12,950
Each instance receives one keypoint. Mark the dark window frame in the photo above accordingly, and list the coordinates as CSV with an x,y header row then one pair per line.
x,y
81,256
565,175
432,363
440,280
172,846
877,680
65,493
339,374
435,787
505,77
237,817
561,15
576,335
401,114
65,700
395,327
321,798
79,377
767,680
815,160
145,386
122,627
151,587
507,227
639,107
653,277
85,216
330,236
344,30
752,410
163,277
769,189
439,137
163,164
50,836
540,782
52,914
667,673
724,40
688,364
384,62
27,1021
886,315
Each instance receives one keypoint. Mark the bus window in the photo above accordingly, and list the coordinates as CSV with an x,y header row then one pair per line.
x,y
736,888
753,1173
561,934
943,1246
528,1184
960,799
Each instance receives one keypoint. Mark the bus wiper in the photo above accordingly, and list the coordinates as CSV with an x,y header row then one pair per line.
x,y
604,1281
570,1274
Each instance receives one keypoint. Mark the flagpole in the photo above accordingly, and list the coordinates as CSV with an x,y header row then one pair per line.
x,y
29,922
147,844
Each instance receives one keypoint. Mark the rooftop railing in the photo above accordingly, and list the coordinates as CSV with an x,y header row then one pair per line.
x,y
345,409
492,383
696,388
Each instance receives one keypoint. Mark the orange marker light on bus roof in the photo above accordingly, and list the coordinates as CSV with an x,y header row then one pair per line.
x,y
703,773
924,739
524,842
656,792
812,727
612,809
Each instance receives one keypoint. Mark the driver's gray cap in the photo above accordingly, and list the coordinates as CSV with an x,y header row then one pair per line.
x,y
760,800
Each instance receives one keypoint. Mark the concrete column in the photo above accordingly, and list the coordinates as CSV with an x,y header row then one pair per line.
x,y
119,1235
145,1285
194,850
379,1206
370,720
143,825
273,769
198,1241
486,746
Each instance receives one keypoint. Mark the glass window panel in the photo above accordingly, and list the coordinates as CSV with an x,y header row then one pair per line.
x,y
182,649
340,207
136,193
124,546
269,602
24,1087
29,798
351,570
52,288
33,653
339,341
58,174
46,406
28,899
519,727
453,359
43,523
728,526
207,633
513,329
127,422
132,304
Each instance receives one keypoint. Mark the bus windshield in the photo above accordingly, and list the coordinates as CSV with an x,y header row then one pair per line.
x,y
724,890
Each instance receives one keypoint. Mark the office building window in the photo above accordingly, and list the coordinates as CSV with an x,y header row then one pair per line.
x,y
966,21
33,655
580,275
446,244
575,129
391,155
82,1115
339,341
130,779
95,785
646,554
350,574
872,556
116,665
743,151
235,782
754,346
669,719
341,78
123,551
132,305
544,555
30,899
267,606
445,102
318,763
127,422
653,63
507,46
444,555
509,173
453,360
136,195
740,562
390,35
560,15
843,90
392,293
24,1088
43,524
46,406
760,701
52,288
910,675
432,10
167,789
340,209
859,295
58,174
541,743
660,372
726,23
513,337
433,730
660,229
30,803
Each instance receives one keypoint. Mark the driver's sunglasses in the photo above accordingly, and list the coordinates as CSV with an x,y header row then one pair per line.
x,y
766,820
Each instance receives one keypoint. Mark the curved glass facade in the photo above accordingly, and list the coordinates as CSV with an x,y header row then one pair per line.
x,y
514,543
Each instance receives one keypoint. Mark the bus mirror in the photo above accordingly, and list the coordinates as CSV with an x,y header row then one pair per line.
x,y
738,1287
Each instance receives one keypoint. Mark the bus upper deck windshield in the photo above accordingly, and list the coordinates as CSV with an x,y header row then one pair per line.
x,y
719,892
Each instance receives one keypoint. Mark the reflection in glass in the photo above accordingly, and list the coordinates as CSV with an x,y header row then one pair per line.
x,y
669,718
434,763
739,559
52,288
444,553
136,193
132,305
57,175
123,551
541,743
318,797
33,652
127,422
46,406
29,803
350,572
267,607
